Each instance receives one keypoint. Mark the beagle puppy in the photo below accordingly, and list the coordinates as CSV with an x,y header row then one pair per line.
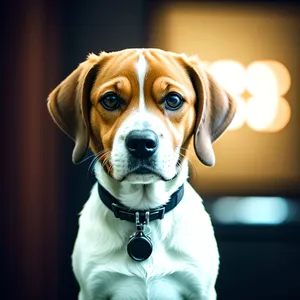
x,y
143,233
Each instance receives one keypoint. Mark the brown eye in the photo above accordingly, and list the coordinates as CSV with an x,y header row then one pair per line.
x,y
110,101
173,101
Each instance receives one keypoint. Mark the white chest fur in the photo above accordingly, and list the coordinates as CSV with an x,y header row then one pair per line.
x,y
183,265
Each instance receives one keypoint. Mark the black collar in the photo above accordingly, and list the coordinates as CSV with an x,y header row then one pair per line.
x,y
124,213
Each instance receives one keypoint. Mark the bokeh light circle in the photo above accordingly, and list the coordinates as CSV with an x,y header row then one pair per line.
x,y
261,112
282,117
230,74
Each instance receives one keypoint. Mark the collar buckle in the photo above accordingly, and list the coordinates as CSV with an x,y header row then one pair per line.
x,y
160,213
121,212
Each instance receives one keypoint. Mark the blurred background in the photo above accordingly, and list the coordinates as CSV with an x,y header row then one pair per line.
x,y
253,192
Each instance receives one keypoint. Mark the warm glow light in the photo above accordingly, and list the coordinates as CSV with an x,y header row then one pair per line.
x,y
261,80
240,115
266,81
282,117
262,84
230,74
261,112
282,75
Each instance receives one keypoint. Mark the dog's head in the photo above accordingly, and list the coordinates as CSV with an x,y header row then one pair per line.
x,y
138,109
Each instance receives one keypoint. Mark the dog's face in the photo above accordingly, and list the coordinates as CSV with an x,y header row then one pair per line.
x,y
138,109
143,111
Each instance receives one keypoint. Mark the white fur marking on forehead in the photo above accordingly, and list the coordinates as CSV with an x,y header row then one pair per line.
x,y
141,68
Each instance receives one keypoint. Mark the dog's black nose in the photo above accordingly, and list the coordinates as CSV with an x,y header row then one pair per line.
x,y
141,143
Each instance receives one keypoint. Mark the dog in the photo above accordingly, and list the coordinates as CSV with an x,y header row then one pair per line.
x,y
143,233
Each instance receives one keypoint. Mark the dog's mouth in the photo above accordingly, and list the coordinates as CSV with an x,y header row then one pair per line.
x,y
145,173
144,170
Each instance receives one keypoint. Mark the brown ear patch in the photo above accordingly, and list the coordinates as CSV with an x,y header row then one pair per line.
x,y
215,110
69,104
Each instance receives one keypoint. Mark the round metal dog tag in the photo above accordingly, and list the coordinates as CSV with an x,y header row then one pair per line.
x,y
139,247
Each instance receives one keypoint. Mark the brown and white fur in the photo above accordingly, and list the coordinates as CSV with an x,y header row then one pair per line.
x,y
185,260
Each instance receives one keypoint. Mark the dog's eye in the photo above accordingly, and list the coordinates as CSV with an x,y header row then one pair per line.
x,y
173,101
110,101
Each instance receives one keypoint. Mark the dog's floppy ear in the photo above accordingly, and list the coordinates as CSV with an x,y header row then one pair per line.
x,y
215,110
69,102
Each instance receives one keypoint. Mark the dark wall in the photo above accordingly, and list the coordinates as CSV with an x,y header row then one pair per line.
x,y
42,192
30,181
